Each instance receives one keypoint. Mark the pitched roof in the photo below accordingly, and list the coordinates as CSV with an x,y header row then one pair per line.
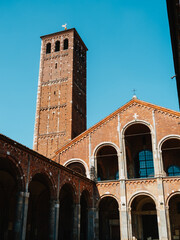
x,y
131,102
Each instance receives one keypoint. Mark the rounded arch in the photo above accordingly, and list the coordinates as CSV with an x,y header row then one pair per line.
x,y
137,122
170,196
106,161
141,193
106,195
143,216
87,195
168,137
71,187
66,43
41,194
103,144
78,160
109,226
173,213
57,46
12,183
169,151
138,149
48,179
48,48
14,166
66,213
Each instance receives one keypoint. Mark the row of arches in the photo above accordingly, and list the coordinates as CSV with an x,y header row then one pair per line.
x,y
57,46
41,207
139,157
143,218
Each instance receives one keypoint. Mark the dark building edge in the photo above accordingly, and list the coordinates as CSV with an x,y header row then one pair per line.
x,y
173,12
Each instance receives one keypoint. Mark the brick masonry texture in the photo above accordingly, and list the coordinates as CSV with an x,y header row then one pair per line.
x,y
61,99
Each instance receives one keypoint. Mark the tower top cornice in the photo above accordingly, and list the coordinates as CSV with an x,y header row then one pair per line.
x,y
63,32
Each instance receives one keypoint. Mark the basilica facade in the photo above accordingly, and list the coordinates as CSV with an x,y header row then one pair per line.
x,y
119,179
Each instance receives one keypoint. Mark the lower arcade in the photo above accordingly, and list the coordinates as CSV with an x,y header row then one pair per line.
x,y
41,199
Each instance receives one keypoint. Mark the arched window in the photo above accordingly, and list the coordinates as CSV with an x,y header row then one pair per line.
x,y
78,167
139,155
170,156
48,48
107,164
57,46
144,164
66,43
173,170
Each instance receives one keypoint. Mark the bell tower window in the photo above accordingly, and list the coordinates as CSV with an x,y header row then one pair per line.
x,y
66,44
57,46
48,48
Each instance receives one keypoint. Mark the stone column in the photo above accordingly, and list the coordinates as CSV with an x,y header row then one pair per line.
x,y
76,221
123,212
54,220
130,233
168,223
122,176
158,171
161,211
21,216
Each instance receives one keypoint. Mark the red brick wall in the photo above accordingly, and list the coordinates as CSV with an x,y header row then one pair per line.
x,y
61,111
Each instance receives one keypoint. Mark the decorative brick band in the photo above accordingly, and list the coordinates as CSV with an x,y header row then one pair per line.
x,y
51,82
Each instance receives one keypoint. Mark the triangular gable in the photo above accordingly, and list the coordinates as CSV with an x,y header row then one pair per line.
x,y
119,110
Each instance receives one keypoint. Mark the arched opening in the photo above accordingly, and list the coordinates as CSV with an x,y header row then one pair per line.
x,y
57,46
170,156
139,155
144,218
66,213
66,44
109,228
48,48
174,215
38,209
78,167
9,189
107,164
84,216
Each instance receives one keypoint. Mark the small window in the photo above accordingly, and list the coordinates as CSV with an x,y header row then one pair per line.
x,y
48,48
66,43
55,65
57,46
174,171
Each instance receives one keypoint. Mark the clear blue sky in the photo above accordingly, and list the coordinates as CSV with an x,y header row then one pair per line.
x,y
129,47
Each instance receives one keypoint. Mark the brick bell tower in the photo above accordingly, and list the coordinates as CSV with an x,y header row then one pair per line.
x,y
61,97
